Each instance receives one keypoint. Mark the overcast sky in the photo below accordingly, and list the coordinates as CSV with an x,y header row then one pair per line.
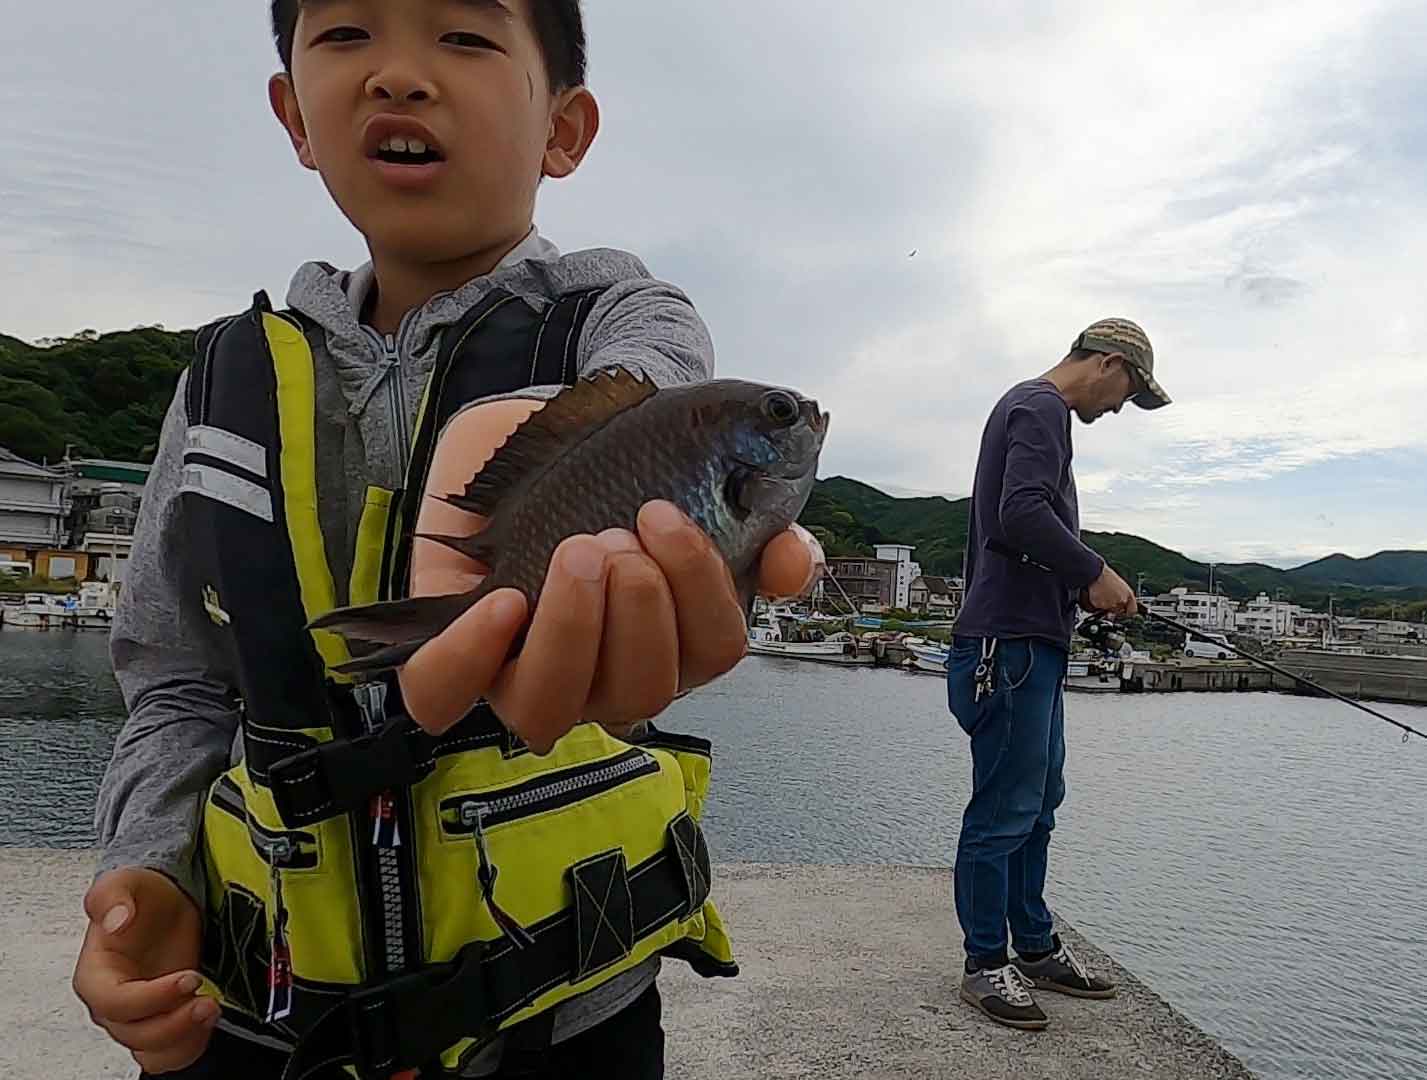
x,y
1249,187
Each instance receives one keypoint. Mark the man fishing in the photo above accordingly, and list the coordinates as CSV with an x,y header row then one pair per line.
x,y
1026,571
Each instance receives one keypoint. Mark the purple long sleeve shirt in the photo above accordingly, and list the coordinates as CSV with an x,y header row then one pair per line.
x,y
1024,498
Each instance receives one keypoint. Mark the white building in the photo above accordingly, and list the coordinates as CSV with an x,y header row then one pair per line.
x,y
32,506
1265,618
936,596
1202,611
907,571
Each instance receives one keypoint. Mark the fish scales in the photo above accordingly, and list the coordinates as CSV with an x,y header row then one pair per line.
x,y
738,458
603,482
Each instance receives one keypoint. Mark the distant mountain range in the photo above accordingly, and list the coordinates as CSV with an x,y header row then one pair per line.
x,y
850,517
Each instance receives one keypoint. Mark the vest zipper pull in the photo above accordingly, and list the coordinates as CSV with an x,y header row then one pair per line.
x,y
280,960
471,814
386,830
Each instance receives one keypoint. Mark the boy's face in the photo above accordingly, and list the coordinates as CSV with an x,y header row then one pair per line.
x,y
464,78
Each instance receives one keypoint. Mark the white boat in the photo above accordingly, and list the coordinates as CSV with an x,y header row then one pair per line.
x,y
1092,674
928,656
40,611
767,637
95,609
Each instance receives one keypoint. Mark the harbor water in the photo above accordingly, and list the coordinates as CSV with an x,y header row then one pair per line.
x,y
1256,858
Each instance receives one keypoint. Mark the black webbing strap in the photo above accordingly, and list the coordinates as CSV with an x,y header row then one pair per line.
x,y
409,1021
342,775
556,358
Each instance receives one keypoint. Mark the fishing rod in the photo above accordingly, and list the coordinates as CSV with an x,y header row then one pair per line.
x,y
1407,730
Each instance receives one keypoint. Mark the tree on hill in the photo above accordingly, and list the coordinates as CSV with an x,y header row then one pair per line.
x,y
103,394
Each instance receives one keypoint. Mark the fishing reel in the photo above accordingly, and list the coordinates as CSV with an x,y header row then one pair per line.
x,y
1100,632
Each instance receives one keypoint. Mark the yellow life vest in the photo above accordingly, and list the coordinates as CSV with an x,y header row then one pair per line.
x,y
378,897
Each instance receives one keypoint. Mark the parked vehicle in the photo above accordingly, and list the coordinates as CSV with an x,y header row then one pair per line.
x,y
1215,649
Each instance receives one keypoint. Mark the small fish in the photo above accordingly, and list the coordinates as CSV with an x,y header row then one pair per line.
x,y
738,458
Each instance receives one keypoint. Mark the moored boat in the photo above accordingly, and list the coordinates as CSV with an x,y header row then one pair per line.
x,y
773,633
40,611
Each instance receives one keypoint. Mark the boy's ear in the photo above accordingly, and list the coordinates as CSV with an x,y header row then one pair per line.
x,y
283,99
573,125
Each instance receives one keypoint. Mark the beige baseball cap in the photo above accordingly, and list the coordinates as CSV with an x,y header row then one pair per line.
x,y
1124,337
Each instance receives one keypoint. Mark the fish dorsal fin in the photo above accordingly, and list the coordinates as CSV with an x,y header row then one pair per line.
x,y
566,419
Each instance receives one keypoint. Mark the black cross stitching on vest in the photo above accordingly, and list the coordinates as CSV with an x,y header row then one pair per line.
x,y
235,953
604,912
693,852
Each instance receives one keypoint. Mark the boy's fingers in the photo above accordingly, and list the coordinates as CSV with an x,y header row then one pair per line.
x,y
790,564
543,693
105,982
454,670
110,904
168,1031
638,672
713,636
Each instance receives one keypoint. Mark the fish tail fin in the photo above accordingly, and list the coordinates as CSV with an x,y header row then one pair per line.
x,y
397,628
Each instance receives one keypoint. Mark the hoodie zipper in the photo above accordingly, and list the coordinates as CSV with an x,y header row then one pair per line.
x,y
391,346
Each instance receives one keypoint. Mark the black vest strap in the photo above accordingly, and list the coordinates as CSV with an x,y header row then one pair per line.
x,y
501,346
342,775
407,1022
252,604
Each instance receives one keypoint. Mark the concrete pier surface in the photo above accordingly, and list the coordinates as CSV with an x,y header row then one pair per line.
x,y
846,972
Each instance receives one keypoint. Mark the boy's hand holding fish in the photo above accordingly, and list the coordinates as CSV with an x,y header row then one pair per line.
x,y
625,619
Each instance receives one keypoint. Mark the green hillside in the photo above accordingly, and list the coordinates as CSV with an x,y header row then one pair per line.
x,y
106,394
1386,569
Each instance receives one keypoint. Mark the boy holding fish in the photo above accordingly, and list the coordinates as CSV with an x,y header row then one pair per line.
x,y
469,862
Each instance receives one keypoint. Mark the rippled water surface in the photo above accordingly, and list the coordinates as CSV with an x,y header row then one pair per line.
x,y
1259,860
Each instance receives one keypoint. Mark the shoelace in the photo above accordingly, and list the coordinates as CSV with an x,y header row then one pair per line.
x,y
1070,960
1011,985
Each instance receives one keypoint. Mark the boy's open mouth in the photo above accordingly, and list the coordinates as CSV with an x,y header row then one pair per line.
x,y
402,141
399,150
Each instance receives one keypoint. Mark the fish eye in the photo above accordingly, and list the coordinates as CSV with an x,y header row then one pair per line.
x,y
780,407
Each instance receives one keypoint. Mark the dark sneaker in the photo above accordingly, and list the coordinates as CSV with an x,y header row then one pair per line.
x,y
1063,972
1004,995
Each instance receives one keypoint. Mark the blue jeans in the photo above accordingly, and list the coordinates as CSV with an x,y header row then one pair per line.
x,y
1018,780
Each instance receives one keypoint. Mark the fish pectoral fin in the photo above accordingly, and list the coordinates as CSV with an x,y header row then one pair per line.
x,y
398,622
379,660
564,420
479,547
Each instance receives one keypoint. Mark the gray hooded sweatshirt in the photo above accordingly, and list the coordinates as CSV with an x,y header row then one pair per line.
x,y
182,732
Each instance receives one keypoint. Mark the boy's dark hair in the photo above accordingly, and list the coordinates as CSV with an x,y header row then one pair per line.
x,y
559,29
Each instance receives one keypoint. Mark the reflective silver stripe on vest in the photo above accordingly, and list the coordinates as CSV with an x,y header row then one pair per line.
x,y
226,488
227,447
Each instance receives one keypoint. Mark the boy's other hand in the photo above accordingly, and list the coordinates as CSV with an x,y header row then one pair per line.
x,y
625,622
137,971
